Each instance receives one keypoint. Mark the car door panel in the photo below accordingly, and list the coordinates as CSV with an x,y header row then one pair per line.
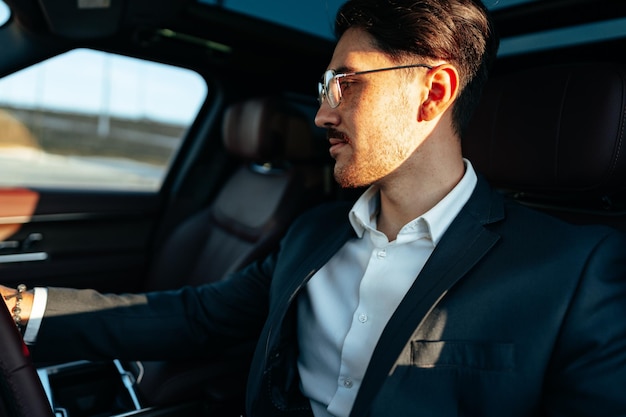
x,y
81,239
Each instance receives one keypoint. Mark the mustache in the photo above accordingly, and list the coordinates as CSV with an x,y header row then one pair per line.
x,y
335,134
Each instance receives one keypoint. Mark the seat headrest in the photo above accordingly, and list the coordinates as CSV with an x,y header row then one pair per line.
x,y
268,130
555,129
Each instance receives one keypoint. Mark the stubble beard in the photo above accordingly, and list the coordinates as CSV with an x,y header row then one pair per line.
x,y
368,167
346,176
358,172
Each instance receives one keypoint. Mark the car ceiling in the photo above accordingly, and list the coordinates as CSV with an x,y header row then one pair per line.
x,y
80,19
219,36
212,36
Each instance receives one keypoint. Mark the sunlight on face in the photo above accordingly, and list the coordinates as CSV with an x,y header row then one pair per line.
x,y
377,113
381,143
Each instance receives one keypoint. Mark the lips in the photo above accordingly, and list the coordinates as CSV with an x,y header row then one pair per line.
x,y
336,137
334,141
336,145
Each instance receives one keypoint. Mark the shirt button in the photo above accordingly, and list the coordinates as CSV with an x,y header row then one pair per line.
x,y
347,383
381,254
363,318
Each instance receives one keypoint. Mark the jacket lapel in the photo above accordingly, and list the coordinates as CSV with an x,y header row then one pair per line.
x,y
465,242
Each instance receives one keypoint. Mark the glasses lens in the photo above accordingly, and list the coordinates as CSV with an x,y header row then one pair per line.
x,y
331,85
320,92
328,88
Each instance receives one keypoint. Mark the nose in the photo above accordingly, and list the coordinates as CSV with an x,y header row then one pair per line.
x,y
326,116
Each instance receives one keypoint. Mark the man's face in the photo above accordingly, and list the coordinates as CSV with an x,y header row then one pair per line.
x,y
372,132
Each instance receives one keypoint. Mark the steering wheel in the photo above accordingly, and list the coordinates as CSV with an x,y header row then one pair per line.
x,y
21,391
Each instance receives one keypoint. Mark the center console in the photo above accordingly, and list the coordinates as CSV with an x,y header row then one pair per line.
x,y
100,389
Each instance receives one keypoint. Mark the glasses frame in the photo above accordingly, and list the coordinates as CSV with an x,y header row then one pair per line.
x,y
330,75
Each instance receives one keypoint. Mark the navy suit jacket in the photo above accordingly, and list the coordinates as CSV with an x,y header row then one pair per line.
x,y
514,314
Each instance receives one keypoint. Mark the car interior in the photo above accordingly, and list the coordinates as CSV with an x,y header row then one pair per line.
x,y
549,132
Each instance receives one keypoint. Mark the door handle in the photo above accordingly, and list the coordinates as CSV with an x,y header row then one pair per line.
x,y
22,251
31,240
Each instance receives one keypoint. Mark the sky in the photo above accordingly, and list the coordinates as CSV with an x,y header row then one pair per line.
x,y
95,82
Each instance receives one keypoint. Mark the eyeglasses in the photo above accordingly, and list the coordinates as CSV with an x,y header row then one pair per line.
x,y
329,87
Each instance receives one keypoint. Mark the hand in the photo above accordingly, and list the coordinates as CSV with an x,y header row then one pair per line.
x,y
25,305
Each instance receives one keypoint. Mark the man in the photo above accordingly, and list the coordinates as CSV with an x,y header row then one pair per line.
x,y
431,296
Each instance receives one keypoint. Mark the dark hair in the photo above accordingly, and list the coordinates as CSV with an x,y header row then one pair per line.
x,y
457,31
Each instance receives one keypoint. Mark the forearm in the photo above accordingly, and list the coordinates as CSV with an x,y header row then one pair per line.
x,y
86,324
173,325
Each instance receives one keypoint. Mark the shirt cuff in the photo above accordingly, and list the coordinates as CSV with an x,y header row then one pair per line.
x,y
40,300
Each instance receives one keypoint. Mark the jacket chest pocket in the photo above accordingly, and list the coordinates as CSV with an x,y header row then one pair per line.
x,y
495,357
453,378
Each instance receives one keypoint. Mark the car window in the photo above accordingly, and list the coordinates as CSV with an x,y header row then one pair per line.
x,y
569,36
94,120
5,13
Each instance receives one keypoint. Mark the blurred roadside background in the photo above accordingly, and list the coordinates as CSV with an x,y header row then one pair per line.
x,y
89,118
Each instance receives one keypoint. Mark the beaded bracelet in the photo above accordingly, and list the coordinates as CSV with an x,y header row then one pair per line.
x,y
17,309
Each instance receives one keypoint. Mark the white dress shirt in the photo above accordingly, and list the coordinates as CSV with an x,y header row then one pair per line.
x,y
40,300
348,302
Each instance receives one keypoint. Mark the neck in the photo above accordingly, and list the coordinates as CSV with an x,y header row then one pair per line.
x,y
408,196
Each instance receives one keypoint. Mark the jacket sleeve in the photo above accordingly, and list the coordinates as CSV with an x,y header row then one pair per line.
x,y
587,375
186,323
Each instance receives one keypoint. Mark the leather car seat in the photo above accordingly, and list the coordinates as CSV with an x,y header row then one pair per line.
x,y
554,138
282,171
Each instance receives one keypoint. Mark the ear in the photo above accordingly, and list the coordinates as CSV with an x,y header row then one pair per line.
x,y
443,85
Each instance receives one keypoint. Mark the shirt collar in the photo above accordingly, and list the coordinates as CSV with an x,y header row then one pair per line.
x,y
436,220
365,210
